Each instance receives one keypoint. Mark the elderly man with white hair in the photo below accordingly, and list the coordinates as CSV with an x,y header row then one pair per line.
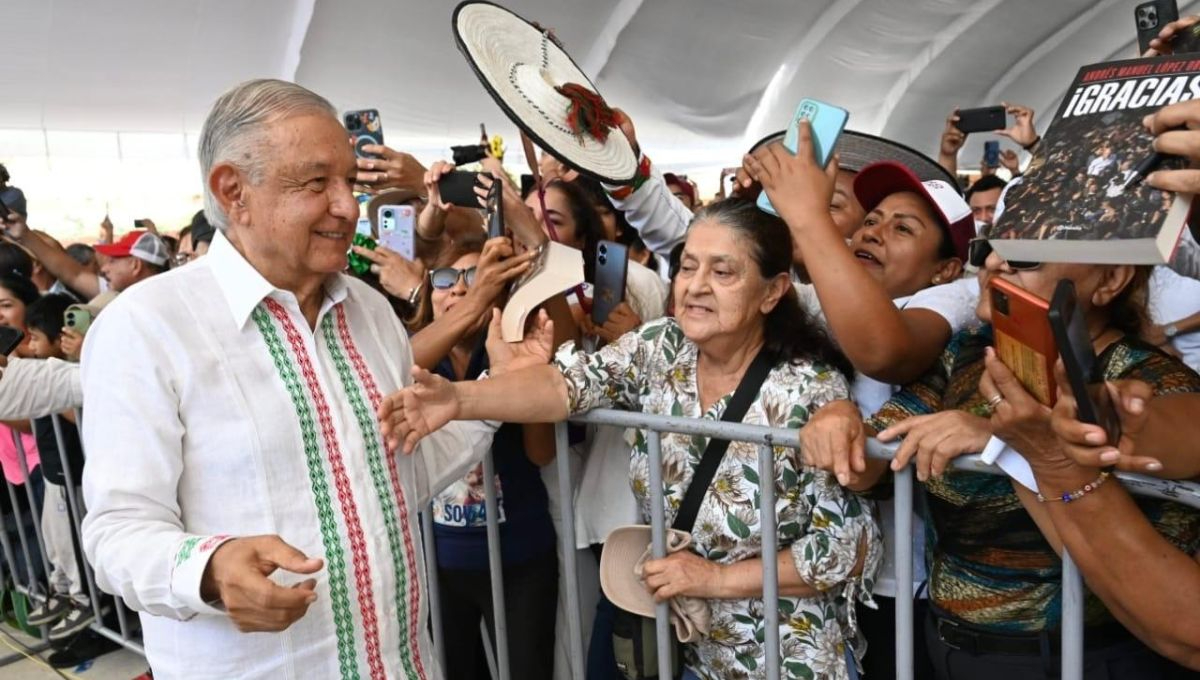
x,y
239,494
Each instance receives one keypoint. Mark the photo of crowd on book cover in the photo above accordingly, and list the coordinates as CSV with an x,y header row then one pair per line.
x,y
1076,187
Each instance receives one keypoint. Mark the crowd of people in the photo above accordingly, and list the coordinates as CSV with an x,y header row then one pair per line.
x,y
263,423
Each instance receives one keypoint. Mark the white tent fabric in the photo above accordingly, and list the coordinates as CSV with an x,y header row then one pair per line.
x,y
700,78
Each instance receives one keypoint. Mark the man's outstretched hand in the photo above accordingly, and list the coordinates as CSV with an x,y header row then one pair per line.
x,y
237,576
408,416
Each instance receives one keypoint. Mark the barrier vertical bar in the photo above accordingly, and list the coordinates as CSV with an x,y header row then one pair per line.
x,y
431,577
567,502
903,495
23,468
658,534
770,559
73,504
31,584
495,566
1072,619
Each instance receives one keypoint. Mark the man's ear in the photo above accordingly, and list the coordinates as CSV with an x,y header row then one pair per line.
x,y
228,184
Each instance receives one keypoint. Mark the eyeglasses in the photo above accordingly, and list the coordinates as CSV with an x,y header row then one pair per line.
x,y
445,278
978,250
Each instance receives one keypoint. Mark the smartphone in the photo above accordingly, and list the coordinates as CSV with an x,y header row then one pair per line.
x,y
3,212
991,153
1092,399
458,188
612,266
366,128
986,119
1023,337
827,123
10,339
728,182
528,183
78,318
495,207
397,229
139,224
1152,17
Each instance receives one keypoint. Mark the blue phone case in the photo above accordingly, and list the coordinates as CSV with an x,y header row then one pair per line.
x,y
991,153
827,122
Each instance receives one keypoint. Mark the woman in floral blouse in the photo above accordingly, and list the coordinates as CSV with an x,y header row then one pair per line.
x,y
733,296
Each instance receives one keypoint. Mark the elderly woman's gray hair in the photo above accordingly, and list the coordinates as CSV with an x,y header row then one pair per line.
x,y
236,123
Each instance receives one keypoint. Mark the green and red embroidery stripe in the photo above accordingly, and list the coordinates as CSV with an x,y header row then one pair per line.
x,y
358,550
404,568
335,556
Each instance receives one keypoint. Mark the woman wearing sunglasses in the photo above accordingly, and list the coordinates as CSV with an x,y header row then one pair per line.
x,y
995,581
527,537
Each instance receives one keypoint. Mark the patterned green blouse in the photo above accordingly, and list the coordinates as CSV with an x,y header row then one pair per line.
x,y
988,562
653,370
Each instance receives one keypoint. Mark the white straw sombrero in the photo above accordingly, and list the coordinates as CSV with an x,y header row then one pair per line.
x,y
542,91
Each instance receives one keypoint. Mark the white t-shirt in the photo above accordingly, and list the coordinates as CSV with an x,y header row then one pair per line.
x,y
1174,297
955,302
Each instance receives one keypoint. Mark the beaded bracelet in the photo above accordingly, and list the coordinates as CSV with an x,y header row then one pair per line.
x,y
1067,497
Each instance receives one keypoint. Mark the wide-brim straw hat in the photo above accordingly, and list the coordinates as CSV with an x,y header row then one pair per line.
x,y
526,71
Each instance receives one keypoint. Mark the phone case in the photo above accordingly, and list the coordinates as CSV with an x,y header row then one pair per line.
x,y
991,153
397,229
827,123
1023,337
78,318
1079,361
367,128
986,119
1150,18
10,339
612,266
458,188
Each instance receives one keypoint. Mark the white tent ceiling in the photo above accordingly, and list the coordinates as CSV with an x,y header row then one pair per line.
x,y
700,78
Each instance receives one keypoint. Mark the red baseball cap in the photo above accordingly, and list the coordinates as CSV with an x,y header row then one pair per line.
x,y
140,244
877,181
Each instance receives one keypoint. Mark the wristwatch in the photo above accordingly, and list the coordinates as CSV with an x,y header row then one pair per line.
x,y
1170,330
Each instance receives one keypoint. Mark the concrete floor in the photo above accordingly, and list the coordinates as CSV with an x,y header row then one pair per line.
x,y
119,665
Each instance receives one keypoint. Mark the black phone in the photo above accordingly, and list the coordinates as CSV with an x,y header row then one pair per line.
x,y
1152,17
458,188
528,184
612,266
986,119
495,207
4,212
10,339
1079,359
367,128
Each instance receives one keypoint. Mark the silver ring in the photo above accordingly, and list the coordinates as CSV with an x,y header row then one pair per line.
x,y
995,401
375,269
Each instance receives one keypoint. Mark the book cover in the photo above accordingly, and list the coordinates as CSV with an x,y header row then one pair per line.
x,y
1075,202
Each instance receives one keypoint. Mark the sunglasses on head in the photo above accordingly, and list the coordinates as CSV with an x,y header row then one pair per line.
x,y
444,278
977,254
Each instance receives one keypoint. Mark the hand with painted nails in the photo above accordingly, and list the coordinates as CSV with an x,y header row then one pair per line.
x,y
1087,445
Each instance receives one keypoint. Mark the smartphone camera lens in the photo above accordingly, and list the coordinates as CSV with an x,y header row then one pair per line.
x,y
353,123
388,214
603,260
603,249
1000,302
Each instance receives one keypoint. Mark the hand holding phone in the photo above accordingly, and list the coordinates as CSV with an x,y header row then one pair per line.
x,y
1023,337
365,127
612,268
78,318
991,154
10,339
458,188
397,229
1086,382
986,119
1150,18
826,122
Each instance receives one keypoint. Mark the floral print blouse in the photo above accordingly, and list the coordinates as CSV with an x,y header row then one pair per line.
x,y
653,370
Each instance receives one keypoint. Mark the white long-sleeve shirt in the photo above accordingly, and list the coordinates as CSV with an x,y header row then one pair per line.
x,y
32,388
211,411
660,218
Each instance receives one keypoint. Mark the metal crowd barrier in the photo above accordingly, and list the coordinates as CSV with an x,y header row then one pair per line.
x,y
34,584
654,426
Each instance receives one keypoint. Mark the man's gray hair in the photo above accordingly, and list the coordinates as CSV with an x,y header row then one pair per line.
x,y
234,126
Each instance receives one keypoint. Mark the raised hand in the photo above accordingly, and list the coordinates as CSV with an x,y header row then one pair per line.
x,y
798,187
393,170
620,321
535,349
1164,43
398,275
408,416
1021,131
952,138
237,576
1010,161
499,265
518,218
1177,131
